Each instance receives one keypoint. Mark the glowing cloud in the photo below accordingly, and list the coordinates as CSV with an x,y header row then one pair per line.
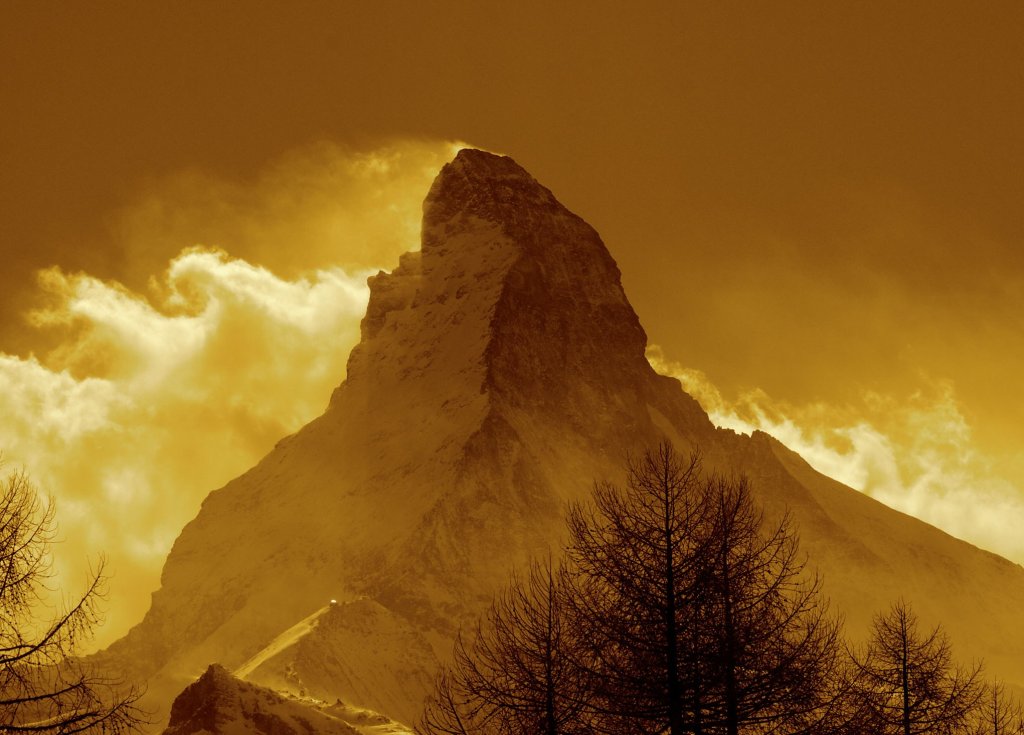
x,y
916,455
152,404
156,395
323,205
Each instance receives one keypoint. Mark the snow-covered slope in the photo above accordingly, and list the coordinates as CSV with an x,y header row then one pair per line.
x,y
359,648
219,704
501,371
282,642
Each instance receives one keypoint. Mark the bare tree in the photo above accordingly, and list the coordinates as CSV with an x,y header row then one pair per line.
x,y
998,713
778,647
452,709
697,620
676,612
516,676
640,557
43,688
906,682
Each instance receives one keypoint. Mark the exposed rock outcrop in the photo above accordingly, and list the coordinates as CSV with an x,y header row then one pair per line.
x,y
219,704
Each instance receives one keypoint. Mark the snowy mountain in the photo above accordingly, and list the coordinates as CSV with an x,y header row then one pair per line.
x,y
221,704
501,371
358,647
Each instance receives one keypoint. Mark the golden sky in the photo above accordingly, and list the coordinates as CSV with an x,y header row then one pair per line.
x,y
816,208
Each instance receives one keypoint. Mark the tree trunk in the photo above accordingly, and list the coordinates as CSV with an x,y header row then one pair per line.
x,y
675,694
905,675
731,704
549,660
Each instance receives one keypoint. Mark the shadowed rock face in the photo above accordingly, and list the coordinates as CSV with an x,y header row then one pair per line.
x,y
550,327
219,704
501,371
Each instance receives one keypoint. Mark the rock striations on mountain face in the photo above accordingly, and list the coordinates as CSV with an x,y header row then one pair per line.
x,y
501,371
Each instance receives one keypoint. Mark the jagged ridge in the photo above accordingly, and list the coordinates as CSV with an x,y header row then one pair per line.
x,y
219,704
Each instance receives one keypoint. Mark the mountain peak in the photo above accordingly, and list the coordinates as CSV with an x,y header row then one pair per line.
x,y
519,296
475,162
488,187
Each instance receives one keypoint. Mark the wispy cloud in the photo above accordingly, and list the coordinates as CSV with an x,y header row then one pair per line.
x,y
914,453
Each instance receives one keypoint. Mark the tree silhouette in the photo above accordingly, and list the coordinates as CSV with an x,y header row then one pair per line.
x,y
906,683
678,610
696,619
777,645
639,558
998,713
516,676
43,689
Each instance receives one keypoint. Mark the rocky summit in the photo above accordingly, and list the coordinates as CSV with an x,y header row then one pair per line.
x,y
220,704
501,371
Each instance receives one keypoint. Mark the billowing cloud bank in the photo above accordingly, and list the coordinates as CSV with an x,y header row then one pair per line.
x,y
914,454
153,397
152,403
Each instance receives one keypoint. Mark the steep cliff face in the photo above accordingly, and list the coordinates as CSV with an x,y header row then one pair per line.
x,y
501,371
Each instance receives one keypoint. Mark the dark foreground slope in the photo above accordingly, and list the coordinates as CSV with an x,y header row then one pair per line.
x,y
219,704
501,371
